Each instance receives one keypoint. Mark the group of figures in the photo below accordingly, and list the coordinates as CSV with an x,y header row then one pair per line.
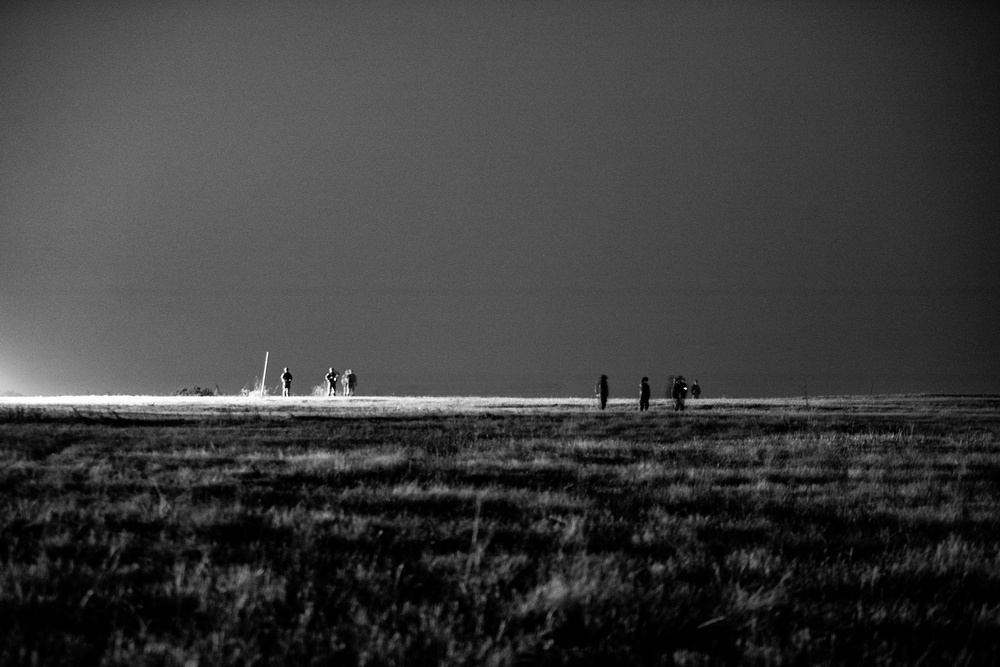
x,y
348,382
678,391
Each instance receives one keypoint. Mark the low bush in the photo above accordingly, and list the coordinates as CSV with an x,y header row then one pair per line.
x,y
197,391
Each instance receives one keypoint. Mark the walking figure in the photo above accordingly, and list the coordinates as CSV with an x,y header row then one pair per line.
x,y
644,394
352,382
679,392
695,390
331,382
602,391
286,383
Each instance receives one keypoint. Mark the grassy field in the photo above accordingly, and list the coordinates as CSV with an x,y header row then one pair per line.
x,y
406,531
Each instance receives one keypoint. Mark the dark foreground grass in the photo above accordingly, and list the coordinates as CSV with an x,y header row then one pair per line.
x,y
849,531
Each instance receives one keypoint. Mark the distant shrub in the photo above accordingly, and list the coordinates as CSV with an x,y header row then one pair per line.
x,y
197,391
247,390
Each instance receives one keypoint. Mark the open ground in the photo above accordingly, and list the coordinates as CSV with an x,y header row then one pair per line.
x,y
461,531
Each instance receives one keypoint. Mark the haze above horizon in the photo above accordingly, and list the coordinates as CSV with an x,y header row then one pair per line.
x,y
500,199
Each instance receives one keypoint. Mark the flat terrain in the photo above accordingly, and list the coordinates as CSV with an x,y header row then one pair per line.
x,y
426,531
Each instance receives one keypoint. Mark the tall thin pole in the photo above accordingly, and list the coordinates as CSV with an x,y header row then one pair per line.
x,y
263,377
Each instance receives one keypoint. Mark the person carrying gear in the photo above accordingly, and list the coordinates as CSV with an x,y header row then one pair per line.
x,y
602,391
331,382
286,383
644,394
679,392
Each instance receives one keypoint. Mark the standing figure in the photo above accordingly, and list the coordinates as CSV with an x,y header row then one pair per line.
x,y
695,390
602,391
352,382
331,382
644,394
286,383
679,392
345,380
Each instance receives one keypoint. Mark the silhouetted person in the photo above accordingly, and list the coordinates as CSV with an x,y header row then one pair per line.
x,y
695,390
602,391
331,382
345,382
644,394
352,382
679,392
286,383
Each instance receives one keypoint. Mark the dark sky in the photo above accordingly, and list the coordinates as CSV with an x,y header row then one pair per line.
x,y
500,198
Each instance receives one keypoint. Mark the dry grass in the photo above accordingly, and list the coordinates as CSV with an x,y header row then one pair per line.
x,y
376,531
